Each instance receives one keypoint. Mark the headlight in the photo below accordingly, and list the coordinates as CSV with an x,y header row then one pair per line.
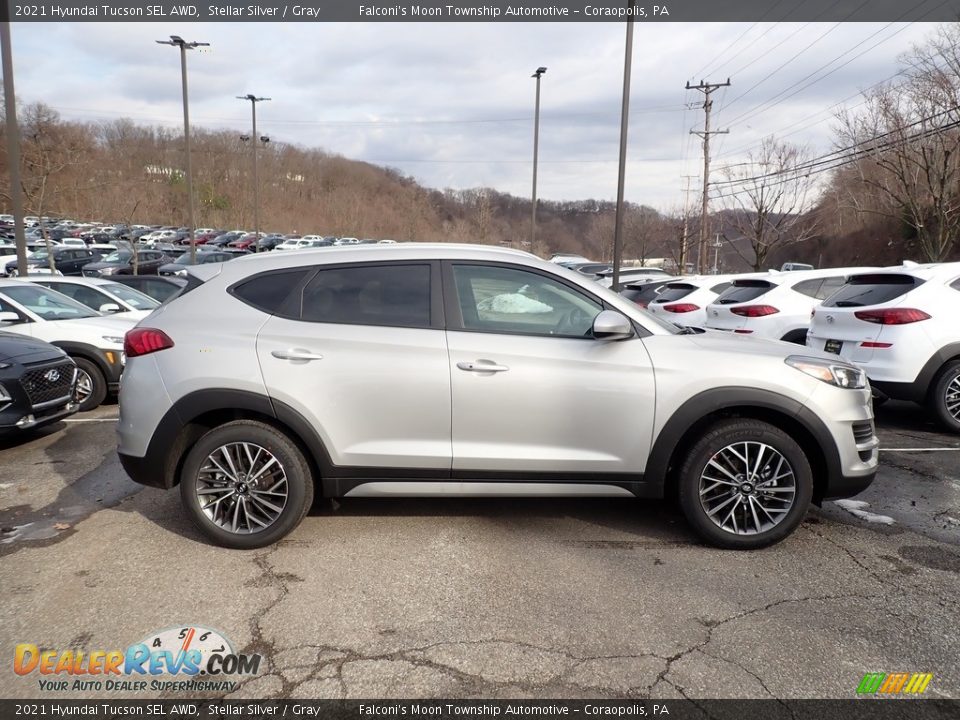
x,y
4,366
181,273
117,340
107,271
4,395
832,373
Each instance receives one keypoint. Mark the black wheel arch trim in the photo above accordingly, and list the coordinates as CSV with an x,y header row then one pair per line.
x,y
730,399
93,354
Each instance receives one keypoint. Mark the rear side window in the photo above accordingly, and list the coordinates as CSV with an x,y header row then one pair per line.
x,y
391,295
267,292
674,291
863,290
743,291
720,288
810,288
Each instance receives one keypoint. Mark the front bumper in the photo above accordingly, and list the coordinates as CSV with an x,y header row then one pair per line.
x,y
15,417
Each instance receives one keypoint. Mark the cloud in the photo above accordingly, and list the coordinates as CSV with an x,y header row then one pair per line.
x,y
452,103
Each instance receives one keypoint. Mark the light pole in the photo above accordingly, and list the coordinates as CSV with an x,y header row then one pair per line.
x,y
178,41
13,147
256,180
536,142
624,124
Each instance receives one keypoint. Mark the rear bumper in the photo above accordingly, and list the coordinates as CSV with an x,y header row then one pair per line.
x,y
845,486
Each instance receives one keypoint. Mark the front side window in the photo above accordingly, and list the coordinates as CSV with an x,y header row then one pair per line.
x,y
391,295
507,300
93,299
48,304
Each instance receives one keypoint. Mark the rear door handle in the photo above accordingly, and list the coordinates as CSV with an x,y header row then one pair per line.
x,y
482,366
296,354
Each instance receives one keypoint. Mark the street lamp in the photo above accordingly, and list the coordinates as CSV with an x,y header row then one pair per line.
x,y
536,141
622,172
256,180
178,41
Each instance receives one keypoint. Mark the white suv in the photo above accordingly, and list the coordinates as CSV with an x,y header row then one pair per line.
x,y
777,305
900,325
684,301
451,369
93,341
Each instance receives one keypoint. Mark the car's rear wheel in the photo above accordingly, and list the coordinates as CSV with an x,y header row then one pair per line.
x,y
945,396
745,484
91,384
246,485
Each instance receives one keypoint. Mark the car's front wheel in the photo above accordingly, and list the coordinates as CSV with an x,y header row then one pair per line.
x,y
945,396
745,484
246,485
91,384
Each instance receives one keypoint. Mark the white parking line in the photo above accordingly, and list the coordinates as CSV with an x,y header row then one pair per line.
x,y
941,449
92,420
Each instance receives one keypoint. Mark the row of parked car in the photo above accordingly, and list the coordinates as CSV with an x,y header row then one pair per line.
x,y
897,323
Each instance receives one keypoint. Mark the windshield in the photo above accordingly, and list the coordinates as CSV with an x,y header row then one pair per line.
x,y
131,296
121,256
48,304
185,259
39,255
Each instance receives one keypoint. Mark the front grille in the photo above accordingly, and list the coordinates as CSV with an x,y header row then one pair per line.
x,y
863,432
48,383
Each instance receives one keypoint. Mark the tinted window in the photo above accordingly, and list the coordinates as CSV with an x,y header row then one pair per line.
x,y
810,288
720,288
395,295
81,293
674,291
498,299
743,291
863,290
830,286
265,292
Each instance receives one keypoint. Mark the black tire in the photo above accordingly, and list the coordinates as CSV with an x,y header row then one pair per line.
x,y
945,394
89,370
298,483
719,437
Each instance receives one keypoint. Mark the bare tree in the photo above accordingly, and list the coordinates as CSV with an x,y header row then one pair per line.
x,y
770,199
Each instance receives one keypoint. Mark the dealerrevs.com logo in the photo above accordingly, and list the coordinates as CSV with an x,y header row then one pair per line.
x,y
901,683
204,660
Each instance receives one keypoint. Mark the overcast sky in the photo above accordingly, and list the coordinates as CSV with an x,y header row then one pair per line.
x,y
452,103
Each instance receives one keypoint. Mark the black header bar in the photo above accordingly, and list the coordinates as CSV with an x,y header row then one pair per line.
x,y
484,11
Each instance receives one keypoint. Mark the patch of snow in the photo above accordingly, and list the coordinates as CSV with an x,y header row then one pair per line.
x,y
855,507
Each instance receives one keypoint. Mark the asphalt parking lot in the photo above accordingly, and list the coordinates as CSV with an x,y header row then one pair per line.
x,y
493,598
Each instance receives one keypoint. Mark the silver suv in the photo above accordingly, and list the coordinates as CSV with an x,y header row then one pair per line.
x,y
436,370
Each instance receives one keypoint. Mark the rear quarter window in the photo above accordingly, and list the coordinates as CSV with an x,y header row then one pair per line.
x,y
864,290
267,291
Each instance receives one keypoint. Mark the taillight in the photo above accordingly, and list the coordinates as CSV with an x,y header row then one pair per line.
x,y
892,316
143,341
642,303
681,307
754,310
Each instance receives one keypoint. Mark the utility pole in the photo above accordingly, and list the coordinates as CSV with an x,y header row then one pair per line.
x,y
13,148
707,89
684,240
536,144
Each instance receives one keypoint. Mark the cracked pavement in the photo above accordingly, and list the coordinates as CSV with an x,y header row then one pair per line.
x,y
496,598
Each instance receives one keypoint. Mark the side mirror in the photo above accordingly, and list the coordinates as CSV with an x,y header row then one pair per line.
x,y
611,325
9,317
109,308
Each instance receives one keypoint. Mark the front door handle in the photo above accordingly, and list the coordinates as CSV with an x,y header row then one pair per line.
x,y
296,354
482,366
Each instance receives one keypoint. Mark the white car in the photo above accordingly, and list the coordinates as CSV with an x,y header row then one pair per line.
x,y
101,295
93,341
628,275
295,243
347,241
567,257
900,325
158,236
777,305
73,242
685,300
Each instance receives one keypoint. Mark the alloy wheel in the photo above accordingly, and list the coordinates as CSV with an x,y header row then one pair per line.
x,y
242,488
84,386
951,398
747,488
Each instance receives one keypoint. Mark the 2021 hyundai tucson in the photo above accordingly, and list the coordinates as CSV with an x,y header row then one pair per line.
x,y
450,369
